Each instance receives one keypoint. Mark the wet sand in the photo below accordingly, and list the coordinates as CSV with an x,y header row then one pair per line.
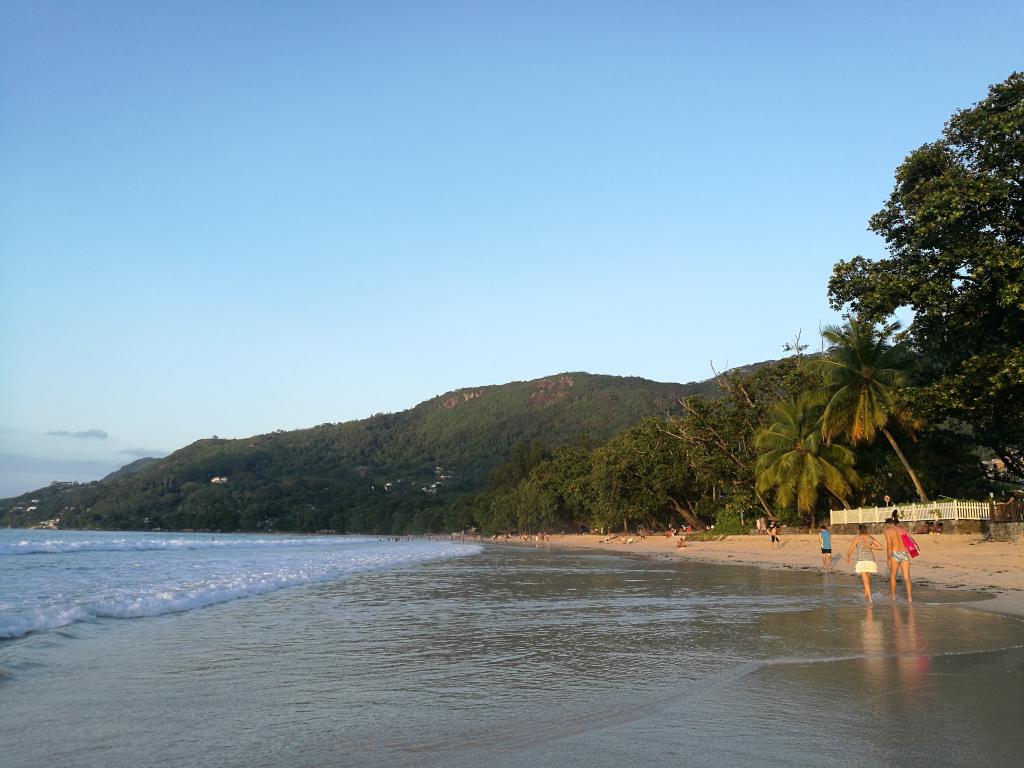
x,y
954,561
529,657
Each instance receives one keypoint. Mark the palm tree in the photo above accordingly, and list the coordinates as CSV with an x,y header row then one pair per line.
x,y
863,373
796,461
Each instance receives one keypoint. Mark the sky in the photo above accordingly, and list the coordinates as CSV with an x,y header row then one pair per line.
x,y
226,218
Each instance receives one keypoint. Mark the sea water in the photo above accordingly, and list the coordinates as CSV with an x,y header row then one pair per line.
x,y
50,579
443,654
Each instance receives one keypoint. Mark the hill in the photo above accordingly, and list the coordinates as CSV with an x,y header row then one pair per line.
x,y
390,473
130,468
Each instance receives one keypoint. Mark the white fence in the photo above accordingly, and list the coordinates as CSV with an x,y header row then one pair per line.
x,y
938,510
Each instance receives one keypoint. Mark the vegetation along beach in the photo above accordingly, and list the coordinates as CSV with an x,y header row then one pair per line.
x,y
231,231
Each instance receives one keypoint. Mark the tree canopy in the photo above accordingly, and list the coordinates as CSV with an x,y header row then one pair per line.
x,y
796,461
954,229
863,377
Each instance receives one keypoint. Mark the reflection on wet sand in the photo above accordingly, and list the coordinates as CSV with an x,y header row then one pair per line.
x,y
906,645
873,642
912,659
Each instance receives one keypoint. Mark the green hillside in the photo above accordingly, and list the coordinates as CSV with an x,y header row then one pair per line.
x,y
388,473
131,468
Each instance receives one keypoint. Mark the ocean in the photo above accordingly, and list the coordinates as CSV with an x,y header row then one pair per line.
x,y
129,649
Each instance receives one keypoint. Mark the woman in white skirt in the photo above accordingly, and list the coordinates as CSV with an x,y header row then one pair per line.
x,y
864,545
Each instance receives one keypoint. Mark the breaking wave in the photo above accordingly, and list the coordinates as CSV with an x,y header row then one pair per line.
x,y
102,587
71,546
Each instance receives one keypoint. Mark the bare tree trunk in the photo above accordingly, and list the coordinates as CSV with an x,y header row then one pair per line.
x,y
723,446
687,514
837,498
764,504
906,465
842,501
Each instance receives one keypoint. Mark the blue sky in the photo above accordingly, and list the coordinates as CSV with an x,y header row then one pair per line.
x,y
232,217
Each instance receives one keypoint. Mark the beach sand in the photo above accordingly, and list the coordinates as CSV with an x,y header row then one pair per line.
x,y
954,561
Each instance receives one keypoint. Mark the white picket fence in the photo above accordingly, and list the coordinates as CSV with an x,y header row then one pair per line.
x,y
936,510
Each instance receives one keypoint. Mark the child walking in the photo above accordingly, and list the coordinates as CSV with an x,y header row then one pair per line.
x,y
826,547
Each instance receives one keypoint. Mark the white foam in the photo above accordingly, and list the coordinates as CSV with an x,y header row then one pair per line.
x,y
65,546
231,580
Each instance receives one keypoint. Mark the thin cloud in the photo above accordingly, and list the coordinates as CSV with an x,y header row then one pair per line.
x,y
144,453
85,434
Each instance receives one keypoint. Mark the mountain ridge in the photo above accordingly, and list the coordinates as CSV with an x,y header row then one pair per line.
x,y
390,472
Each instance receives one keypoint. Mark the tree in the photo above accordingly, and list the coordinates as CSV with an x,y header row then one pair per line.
x,y
502,515
720,433
538,500
570,469
863,374
464,512
796,462
643,475
954,229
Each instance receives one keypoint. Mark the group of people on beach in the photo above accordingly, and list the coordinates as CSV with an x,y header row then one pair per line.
x,y
899,548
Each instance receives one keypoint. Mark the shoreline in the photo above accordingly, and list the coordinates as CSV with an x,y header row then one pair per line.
x,y
955,562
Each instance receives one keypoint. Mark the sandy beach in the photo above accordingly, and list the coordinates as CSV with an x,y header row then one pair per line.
x,y
954,561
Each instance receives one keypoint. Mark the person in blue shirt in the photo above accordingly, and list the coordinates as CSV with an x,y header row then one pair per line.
x,y
826,547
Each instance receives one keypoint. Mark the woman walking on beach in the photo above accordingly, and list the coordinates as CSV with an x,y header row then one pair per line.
x,y
864,544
